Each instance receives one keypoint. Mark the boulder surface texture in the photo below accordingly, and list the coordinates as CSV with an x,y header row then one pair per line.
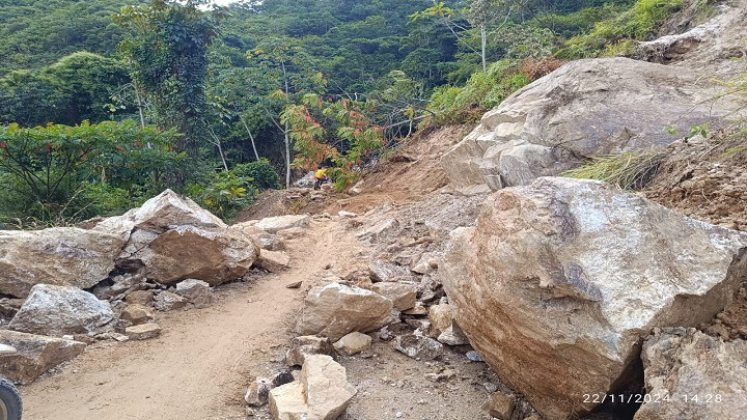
x,y
558,282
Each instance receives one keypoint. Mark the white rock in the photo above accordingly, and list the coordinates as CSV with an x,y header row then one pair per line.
x,y
353,343
196,291
337,309
60,310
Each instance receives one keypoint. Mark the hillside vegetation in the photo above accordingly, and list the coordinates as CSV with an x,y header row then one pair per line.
x,y
287,86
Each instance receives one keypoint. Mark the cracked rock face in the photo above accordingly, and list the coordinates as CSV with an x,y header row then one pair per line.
x,y
558,282
691,375
61,310
60,256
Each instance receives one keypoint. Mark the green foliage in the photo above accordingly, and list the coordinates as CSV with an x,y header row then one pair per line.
x,y
615,35
73,172
629,170
484,90
37,33
167,45
261,172
224,193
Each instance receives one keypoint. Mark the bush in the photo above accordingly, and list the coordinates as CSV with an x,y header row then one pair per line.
x,y
224,193
484,90
63,172
616,35
534,69
261,172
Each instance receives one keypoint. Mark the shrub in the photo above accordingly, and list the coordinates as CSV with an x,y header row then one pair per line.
x,y
224,193
534,69
484,90
261,172
616,35
59,172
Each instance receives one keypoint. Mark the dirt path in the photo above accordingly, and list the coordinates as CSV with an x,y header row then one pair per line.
x,y
201,364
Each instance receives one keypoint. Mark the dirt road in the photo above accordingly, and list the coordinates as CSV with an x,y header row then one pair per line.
x,y
199,367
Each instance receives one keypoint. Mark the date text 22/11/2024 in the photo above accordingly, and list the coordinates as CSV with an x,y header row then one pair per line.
x,y
601,398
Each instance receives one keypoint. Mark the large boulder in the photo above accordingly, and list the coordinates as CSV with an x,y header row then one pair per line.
x,y
174,239
62,256
322,393
338,309
558,282
61,310
694,376
35,354
586,108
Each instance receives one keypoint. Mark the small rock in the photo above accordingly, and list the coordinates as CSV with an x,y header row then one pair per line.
x,y
283,377
500,406
295,285
383,271
444,376
403,295
418,347
167,301
323,392
140,297
346,214
453,336
384,334
136,314
490,387
196,291
273,261
353,343
442,318
473,356
280,223
143,331
301,347
258,392
417,310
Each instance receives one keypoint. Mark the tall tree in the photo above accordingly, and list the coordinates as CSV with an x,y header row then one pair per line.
x,y
167,46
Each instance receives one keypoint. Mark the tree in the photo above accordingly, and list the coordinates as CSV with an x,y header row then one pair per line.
x,y
167,46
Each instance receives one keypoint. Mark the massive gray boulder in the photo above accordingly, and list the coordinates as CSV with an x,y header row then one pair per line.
x,y
586,108
694,376
558,282
35,354
62,256
61,310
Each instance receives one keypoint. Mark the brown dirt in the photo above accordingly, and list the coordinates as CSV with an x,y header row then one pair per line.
x,y
408,173
705,179
200,366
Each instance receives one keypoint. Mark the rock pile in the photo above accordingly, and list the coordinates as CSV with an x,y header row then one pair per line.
x,y
168,254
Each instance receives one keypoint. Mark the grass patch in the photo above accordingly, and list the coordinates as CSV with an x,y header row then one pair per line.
x,y
629,170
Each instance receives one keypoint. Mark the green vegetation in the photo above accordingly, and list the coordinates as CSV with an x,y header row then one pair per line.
x,y
61,172
629,170
105,102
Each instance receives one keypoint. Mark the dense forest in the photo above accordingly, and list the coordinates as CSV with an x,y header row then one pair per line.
x,y
104,103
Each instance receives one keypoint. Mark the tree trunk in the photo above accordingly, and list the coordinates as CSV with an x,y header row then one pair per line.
x,y
484,46
251,137
287,157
